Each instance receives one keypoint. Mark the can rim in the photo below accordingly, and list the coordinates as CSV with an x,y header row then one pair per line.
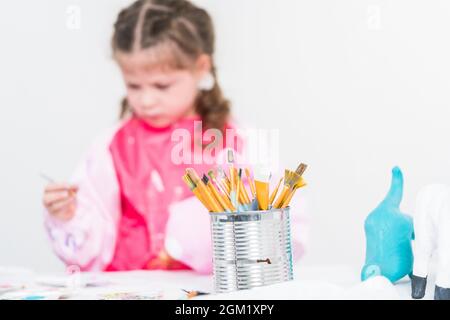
x,y
250,212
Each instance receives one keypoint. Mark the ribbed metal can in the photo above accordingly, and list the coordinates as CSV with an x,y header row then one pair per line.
x,y
251,249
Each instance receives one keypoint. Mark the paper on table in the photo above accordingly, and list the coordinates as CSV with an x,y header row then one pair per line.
x,y
374,288
78,280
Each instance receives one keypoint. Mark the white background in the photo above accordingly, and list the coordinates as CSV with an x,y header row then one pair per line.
x,y
355,87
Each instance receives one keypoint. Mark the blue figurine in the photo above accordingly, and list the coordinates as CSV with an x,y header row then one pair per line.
x,y
388,236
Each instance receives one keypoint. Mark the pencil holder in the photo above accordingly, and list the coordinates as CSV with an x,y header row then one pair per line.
x,y
251,249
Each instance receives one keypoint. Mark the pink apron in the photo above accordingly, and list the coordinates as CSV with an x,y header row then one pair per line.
x,y
149,183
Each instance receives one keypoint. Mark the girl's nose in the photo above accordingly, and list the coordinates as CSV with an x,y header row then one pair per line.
x,y
148,99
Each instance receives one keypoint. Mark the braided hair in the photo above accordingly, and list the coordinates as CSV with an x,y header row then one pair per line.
x,y
188,32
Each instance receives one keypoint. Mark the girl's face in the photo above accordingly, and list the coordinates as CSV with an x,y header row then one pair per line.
x,y
160,96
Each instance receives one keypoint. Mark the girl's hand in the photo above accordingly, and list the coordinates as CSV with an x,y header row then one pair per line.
x,y
60,200
164,261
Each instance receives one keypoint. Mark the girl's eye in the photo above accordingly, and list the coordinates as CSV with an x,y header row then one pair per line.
x,y
133,86
161,86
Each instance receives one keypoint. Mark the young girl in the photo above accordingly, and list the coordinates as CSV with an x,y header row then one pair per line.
x,y
127,207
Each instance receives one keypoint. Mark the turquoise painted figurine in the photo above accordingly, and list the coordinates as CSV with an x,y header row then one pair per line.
x,y
389,233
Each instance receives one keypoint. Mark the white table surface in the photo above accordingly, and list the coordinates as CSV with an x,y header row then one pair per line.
x,y
311,282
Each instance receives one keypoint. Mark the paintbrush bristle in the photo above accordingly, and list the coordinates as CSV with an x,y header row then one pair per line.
x,y
286,174
262,174
221,172
189,182
193,174
46,177
291,178
301,169
300,183
230,156
287,177
205,179
295,179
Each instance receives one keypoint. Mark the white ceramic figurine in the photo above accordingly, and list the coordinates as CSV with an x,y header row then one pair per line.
x,y
432,236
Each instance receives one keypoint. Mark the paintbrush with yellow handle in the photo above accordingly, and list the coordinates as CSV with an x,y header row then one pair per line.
x,y
224,181
300,184
233,179
290,179
275,191
238,189
243,195
251,183
262,177
206,194
193,187
222,194
220,185
223,190
215,193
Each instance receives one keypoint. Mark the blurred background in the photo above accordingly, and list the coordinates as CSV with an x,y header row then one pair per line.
x,y
354,86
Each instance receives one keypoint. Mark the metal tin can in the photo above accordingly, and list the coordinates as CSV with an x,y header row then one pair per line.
x,y
251,249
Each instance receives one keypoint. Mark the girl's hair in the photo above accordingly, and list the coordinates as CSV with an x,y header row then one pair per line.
x,y
177,32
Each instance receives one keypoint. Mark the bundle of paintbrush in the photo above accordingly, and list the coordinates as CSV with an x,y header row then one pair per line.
x,y
222,191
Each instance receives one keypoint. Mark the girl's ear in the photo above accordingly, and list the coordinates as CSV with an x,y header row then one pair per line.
x,y
203,66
